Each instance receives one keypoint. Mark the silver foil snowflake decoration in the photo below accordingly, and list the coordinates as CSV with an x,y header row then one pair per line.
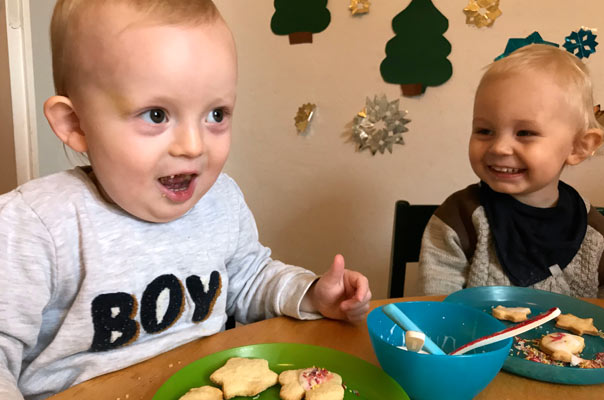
x,y
379,125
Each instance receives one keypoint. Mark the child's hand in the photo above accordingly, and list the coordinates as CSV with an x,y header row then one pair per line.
x,y
340,293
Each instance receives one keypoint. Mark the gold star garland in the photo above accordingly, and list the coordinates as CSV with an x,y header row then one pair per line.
x,y
304,117
482,13
359,6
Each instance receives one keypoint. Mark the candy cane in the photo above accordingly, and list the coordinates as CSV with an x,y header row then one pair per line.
x,y
508,332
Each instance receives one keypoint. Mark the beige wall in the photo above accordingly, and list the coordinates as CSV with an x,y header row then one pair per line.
x,y
314,196
8,167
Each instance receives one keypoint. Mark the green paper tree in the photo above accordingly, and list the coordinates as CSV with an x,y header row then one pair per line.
x,y
416,57
299,19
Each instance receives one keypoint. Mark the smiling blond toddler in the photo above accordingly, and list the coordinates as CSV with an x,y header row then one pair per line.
x,y
521,225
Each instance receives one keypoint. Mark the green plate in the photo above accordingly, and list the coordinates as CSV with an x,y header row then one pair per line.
x,y
363,381
487,297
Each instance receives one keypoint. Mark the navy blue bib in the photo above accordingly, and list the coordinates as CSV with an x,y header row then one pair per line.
x,y
529,240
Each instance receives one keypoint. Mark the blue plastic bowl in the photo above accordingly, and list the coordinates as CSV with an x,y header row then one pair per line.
x,y
449,325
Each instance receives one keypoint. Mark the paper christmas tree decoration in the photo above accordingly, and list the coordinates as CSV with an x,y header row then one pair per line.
x,y
299,19
416,57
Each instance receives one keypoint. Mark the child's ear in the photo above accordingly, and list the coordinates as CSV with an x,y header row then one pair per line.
x,y
585,145
65,123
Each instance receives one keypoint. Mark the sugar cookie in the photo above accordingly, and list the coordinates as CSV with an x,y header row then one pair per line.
x,y
562,346
290,386
203,393
514,314
576,325
310,383
244,377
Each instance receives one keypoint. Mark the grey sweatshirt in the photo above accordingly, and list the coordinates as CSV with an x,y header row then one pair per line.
x,y
86,289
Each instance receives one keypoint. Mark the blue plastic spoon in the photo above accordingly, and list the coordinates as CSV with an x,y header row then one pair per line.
x,y
399,317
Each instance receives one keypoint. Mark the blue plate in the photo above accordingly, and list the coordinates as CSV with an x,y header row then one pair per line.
x,y
488,297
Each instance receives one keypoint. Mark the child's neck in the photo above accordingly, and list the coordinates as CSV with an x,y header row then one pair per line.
x,y
540,200
96,182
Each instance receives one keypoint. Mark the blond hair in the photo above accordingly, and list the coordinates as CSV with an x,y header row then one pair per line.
x,y
67,14
569,72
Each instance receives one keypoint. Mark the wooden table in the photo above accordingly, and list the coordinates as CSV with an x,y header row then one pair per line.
x,y
142,380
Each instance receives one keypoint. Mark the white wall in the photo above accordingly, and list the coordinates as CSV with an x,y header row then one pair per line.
x,y
51,153
314,196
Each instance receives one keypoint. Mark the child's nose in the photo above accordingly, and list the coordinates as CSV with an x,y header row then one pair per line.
x,y
188,141
502,144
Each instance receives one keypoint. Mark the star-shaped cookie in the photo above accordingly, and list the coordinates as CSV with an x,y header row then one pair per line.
x,y
244,377
203,393
514,314
576,325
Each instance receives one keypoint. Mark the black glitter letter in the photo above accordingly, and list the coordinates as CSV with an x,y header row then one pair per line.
x,y
149,303
204,300
106,321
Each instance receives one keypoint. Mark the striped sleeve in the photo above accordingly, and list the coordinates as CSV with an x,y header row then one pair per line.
x,y
448,244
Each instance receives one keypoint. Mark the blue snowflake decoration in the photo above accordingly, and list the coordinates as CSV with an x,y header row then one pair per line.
x,y
516,43
581,43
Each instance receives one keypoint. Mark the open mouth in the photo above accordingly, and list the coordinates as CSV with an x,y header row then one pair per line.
x,y
506,170
177,183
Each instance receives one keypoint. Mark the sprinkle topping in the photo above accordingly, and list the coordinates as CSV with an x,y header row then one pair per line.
x,y
530,350
312,377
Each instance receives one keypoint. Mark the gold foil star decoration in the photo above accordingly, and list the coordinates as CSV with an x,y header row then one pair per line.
x,y
482,13
304,117
359,6
379,125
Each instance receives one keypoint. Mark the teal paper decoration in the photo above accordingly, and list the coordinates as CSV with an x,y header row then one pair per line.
x,y
416,57
299,19
516,43
581,43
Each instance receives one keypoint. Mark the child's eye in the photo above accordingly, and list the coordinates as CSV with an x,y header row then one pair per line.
x,y
216,116
525,133
154,116
482,131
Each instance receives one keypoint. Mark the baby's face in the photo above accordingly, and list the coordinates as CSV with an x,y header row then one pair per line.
x,y
155,105
522,135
